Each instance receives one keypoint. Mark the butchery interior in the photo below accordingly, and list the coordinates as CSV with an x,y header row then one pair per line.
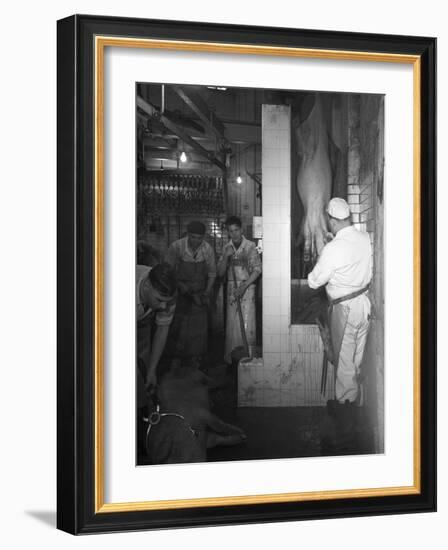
x,y
232,194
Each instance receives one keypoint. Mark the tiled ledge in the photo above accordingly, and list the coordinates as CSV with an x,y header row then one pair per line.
x,y
287,377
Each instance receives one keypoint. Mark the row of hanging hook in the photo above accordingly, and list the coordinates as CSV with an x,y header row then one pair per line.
x,y
181,193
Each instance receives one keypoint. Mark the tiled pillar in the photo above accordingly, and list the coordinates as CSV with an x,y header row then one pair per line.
x,y
288,374
276,173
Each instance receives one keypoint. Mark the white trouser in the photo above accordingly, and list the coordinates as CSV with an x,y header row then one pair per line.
x,y
352,348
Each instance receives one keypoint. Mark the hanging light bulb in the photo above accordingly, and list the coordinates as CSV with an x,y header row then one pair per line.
x,y
239,179
183,157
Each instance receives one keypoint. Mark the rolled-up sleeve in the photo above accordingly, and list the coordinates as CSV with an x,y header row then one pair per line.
x,y
254,260
323,270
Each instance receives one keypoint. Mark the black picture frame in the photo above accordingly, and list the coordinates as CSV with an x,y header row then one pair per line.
x,y
77,511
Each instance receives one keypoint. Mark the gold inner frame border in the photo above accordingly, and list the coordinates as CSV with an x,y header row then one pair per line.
x,y
100,43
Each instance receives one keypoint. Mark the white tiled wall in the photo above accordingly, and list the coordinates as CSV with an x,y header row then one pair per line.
x,y
289,373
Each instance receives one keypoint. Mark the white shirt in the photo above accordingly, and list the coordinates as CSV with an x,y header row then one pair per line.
x,y
245,256
179,250
345,263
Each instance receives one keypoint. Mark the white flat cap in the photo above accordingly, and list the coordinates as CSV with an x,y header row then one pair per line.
x,y
338,208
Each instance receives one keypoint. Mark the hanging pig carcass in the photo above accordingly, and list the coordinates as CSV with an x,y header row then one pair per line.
x,y
314,175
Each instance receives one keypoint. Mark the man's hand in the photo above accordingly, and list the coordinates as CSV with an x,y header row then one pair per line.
x,y
238,293
229,252
183,288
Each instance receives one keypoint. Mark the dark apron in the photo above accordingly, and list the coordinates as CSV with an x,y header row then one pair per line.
x,y
189,329
338,316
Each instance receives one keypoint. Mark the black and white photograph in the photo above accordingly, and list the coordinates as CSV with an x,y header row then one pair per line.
x,y
225,222
259,273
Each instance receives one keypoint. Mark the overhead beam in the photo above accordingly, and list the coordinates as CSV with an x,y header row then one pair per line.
x,y
243,132
159,142
235,132
254,176
155,113
200,108
235,136
171,164
171,136
170,154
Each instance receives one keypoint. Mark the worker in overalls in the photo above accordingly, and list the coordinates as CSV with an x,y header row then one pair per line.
x,y
241,263
345,267
193,260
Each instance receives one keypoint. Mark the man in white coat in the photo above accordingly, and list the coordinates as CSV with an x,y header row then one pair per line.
x,y
345,268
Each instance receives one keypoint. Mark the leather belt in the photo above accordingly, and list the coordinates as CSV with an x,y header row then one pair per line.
x,y
349,296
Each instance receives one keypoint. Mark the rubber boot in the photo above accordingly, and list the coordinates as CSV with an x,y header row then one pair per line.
x,y
346,427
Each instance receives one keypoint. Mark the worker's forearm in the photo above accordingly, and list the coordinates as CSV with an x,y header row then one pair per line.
x,y
252,278
158,346
241,289
312,283
317,278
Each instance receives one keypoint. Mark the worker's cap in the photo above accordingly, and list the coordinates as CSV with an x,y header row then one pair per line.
x,y
338,208
198,228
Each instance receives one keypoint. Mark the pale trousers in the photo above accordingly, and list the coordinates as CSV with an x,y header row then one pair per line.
x,y
352,348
